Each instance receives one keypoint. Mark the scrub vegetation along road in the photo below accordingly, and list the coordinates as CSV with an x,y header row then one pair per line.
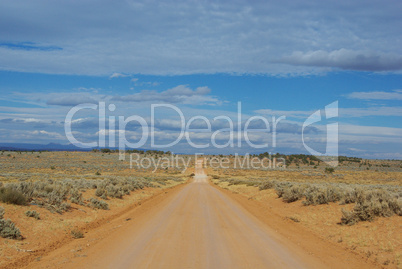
x,y
194,226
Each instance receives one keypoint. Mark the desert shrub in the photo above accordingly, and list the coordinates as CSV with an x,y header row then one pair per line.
x,y
1,212
115,191
76,197
329,170
371,204
53,194
64,206
293,193
322,195
280,188
77,234
12,196
349,196
266,185
348,217
99,204
32,214
100,191
9,230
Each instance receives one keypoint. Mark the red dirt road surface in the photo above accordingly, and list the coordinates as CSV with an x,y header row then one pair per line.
x,y
197,226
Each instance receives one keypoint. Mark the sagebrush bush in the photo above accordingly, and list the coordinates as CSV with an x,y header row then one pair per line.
x,y
371,204
266,185
32,214
76,197
349,196
348,217
9,230
293,194
54,194
1,212
99,204
322,195
12,196
280,188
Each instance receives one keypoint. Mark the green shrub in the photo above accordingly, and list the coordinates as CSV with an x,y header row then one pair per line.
x,y
12,196
8,230
32,214
329,170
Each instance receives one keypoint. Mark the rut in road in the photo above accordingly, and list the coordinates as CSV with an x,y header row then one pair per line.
x,y
199,228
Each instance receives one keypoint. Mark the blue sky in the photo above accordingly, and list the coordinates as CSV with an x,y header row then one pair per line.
x,y
288,59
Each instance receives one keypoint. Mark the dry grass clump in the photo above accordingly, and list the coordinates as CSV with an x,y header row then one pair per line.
x,y
266,185
32,214
12,196
76,234
8,228
248,182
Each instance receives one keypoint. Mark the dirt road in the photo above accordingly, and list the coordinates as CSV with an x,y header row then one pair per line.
x,y
196,227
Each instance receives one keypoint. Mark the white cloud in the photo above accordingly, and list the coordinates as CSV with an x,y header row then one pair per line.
x,y
42,133
118,75
181,94
378,95
71,99
349,129
343,112
152,37
287,113
346,59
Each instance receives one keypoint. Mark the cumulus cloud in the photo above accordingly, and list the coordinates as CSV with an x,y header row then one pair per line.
x,y
346,59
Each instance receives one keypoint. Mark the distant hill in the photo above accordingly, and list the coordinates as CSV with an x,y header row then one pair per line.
x,y
37,147
48,147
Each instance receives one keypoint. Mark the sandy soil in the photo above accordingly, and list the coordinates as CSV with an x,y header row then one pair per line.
x,y
196,226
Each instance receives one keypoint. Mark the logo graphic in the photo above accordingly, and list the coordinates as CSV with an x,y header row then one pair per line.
x,y
331,153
